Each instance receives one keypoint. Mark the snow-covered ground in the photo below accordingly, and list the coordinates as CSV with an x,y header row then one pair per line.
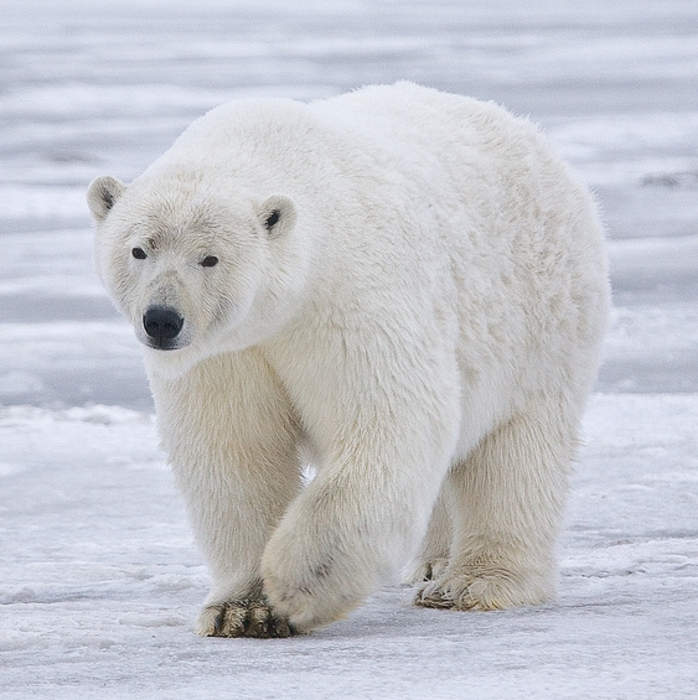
x,y
100,579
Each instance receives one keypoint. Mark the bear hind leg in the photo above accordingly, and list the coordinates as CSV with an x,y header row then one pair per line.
x,y
506,500
433,556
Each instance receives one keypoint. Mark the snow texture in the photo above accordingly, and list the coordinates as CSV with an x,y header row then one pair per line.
x,y
101,580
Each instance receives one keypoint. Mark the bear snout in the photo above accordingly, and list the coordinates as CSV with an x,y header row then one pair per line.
x,y
162,325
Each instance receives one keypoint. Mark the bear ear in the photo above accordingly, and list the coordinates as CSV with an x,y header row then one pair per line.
x,y
102,195
277,214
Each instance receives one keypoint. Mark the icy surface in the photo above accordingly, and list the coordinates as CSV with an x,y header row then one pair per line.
x,y
100,579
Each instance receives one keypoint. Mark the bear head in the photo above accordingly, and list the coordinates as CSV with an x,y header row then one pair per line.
x,y
195,272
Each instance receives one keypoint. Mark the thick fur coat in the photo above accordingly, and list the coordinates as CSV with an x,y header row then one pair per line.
x,y
405,287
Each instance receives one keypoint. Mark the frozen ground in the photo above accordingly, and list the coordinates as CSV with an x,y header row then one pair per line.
x,y
100,580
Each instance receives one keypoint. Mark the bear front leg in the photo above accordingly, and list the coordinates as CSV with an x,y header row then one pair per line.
x,y
368,508
232,441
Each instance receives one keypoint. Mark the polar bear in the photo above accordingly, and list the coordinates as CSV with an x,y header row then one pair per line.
x,y
402,286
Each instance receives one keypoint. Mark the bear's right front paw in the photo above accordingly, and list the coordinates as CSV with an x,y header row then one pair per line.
x,y
242,618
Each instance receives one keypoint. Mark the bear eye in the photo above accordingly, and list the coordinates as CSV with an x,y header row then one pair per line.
x,y
138,253
209,261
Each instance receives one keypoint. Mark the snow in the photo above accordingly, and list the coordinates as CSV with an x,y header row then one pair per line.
x,y
101,580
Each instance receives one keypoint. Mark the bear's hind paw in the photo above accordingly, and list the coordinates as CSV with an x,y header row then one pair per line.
x,y
493,589
427,571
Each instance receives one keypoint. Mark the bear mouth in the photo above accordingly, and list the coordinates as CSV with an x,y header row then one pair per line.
x,y
162,344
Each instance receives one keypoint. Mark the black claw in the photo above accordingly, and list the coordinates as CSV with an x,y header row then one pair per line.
x,y
281,628
218,624
252,618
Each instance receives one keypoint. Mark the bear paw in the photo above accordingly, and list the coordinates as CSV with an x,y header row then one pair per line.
x,y
307,583
477,588
242,618
428,571
308,605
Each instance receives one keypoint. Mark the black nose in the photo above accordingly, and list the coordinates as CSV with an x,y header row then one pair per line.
x,y
162,323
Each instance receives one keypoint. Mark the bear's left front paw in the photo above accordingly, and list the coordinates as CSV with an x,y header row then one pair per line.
x,y
307,581
305,599
243,618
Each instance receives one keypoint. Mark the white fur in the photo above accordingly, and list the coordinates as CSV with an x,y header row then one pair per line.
x,y
425,316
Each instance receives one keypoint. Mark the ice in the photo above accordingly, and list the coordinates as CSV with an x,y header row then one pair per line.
x,y
100,577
